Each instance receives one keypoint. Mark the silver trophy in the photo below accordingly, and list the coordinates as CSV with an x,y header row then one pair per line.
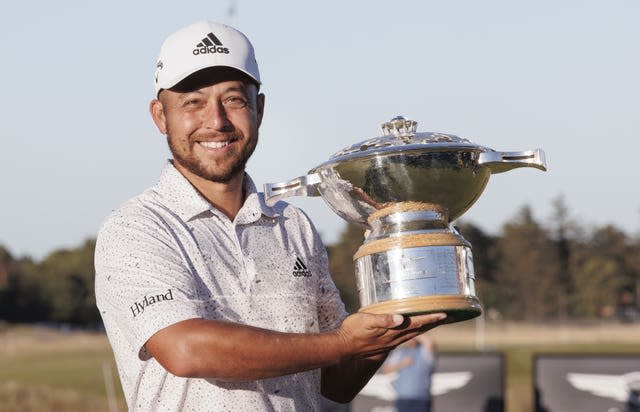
x,y
406,188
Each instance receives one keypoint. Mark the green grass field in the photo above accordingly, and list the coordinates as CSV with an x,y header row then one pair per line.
x,y
46,370
43,370
79,370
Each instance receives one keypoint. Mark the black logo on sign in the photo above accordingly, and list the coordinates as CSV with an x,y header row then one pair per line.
x,y
210,44
300,269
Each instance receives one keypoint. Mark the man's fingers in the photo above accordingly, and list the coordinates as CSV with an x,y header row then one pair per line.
x,y
382,321
406,322
367,334
398,320
422,321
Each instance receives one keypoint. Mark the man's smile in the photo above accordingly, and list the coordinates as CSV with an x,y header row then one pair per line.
x,y
215,145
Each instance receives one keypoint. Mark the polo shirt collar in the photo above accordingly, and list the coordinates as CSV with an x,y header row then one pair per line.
x,y
254,205
184,200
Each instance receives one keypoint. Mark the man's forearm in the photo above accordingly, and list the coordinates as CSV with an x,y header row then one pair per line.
x,y
234,352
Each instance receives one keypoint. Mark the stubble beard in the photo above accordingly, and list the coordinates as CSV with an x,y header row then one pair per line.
x,y
213,173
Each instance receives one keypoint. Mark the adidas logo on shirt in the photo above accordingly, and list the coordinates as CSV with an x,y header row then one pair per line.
x,y
300,269
210,44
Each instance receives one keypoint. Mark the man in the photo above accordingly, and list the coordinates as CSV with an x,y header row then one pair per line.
x,y
413,363
211,299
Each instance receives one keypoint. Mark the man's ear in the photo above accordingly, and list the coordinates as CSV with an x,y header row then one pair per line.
x,y
260,107
157,114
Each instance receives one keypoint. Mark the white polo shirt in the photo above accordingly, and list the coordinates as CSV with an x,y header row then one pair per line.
x,y
168,255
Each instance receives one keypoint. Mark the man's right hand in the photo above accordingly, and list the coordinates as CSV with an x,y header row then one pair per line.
x,y
365,340
364,334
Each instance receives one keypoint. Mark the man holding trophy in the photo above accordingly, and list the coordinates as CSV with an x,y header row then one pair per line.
x,y
213,299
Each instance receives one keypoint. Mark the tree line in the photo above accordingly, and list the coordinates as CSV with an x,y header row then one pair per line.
x,y
58,289
529,271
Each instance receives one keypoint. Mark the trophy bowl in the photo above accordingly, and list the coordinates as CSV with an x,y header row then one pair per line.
x,y
406,188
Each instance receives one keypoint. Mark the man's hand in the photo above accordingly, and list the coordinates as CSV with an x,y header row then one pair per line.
x,y
366,339
364,334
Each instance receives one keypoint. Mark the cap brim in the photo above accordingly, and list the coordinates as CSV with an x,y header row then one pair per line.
x,y
187,75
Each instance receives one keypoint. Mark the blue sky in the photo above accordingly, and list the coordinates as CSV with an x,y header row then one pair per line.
x,y
509,75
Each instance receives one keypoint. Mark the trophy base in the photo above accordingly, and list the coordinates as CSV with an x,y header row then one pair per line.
x,y
457,308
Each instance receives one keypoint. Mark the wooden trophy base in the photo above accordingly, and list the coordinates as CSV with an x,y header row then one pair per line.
x,y
457,308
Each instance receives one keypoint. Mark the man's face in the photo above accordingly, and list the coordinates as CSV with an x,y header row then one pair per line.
x,y
212,129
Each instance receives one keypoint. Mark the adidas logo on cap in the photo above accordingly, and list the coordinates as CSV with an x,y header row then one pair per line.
x,y
210,44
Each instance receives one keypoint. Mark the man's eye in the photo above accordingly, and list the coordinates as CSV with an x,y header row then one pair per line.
x,y
190,104
235,102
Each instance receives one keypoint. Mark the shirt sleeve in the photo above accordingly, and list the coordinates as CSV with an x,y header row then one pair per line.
x,y
143,283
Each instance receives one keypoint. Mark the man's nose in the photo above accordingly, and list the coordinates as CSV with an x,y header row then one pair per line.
x,y
215,117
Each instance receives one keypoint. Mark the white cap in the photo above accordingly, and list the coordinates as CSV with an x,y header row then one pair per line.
x,y
201,45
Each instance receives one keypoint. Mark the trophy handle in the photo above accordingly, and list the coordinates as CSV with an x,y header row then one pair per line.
x,y
500,162
300,186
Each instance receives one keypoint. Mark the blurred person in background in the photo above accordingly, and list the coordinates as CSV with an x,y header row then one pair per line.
x,y
413,363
